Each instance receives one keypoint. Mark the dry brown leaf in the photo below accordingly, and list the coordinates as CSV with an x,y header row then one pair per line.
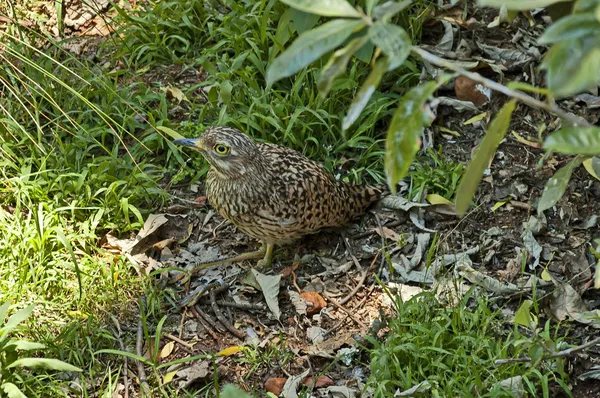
x,y
316,301
275,385
322,381
470,90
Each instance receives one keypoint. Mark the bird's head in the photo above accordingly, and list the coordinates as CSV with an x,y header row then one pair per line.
x,y
228,150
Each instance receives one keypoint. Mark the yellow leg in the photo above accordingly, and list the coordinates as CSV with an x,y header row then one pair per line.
x,y
185,276
267,259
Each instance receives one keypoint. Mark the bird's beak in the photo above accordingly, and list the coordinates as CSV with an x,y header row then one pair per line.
x,y
191,142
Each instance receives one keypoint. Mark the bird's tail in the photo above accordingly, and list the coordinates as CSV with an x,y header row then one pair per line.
x,y
363,197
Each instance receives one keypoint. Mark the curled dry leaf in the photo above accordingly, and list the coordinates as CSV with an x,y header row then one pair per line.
x,y
275,385
322,381
315,300
470,90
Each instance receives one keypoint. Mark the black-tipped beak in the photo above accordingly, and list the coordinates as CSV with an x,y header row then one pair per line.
x,y
191,142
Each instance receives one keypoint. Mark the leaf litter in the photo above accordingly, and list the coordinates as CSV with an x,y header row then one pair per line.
x,y
503,251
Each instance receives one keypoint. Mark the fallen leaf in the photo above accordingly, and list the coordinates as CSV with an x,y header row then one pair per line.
x,y
525,141
230,351
470,90
269,286
298,302
175,92
476,118
200,201
287,271
169,377
322,381
167,349
316,301
387,233
275,385
436,199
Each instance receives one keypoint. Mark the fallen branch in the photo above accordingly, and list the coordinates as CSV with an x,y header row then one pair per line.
x,y
559,354
213,303
518,95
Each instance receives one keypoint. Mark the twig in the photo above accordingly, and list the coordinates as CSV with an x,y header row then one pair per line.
x,y
341,307
358,306
354,259
360,283
518,95
117,335
213,303
139,348
197,313
241,306
188,348
553,355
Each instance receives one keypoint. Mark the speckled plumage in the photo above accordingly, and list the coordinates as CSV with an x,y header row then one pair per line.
x,y
274,193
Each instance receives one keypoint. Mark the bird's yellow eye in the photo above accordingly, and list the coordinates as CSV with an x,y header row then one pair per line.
x,y
221,149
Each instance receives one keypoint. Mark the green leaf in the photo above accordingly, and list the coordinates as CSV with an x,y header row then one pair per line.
x,y
337,64
570,27
393,41
140,358
225,89
522,86
474,173
231,391
3,312
12,391
575,140
364,94
572,65
404,134
310,46
365,53
557,184
24,345
524,317
520,5
326,8
15,320
303,21
390,8
46,363
369,6
170,132
284,28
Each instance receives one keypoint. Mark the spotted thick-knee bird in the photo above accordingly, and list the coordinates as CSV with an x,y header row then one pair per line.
x,y
273,193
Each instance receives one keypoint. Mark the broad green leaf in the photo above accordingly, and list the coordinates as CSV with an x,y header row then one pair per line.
x,y
404,134
557,184
585,5
284,29
485,152
571,27
393,41
24,345
326,8
46,363
310,46
364,94
337,64
390,8
303,21
575,140
231,391
592,165
170,132
365,53
520,5
12,391
572,65
15,320
225,89
369,4
524,317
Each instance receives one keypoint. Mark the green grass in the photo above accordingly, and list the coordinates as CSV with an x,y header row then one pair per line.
x,y
454,349
82,154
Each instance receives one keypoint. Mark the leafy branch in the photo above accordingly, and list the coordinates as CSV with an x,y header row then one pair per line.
x,y
571,65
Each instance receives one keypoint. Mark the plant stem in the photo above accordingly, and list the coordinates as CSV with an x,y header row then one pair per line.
x,y
518,95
